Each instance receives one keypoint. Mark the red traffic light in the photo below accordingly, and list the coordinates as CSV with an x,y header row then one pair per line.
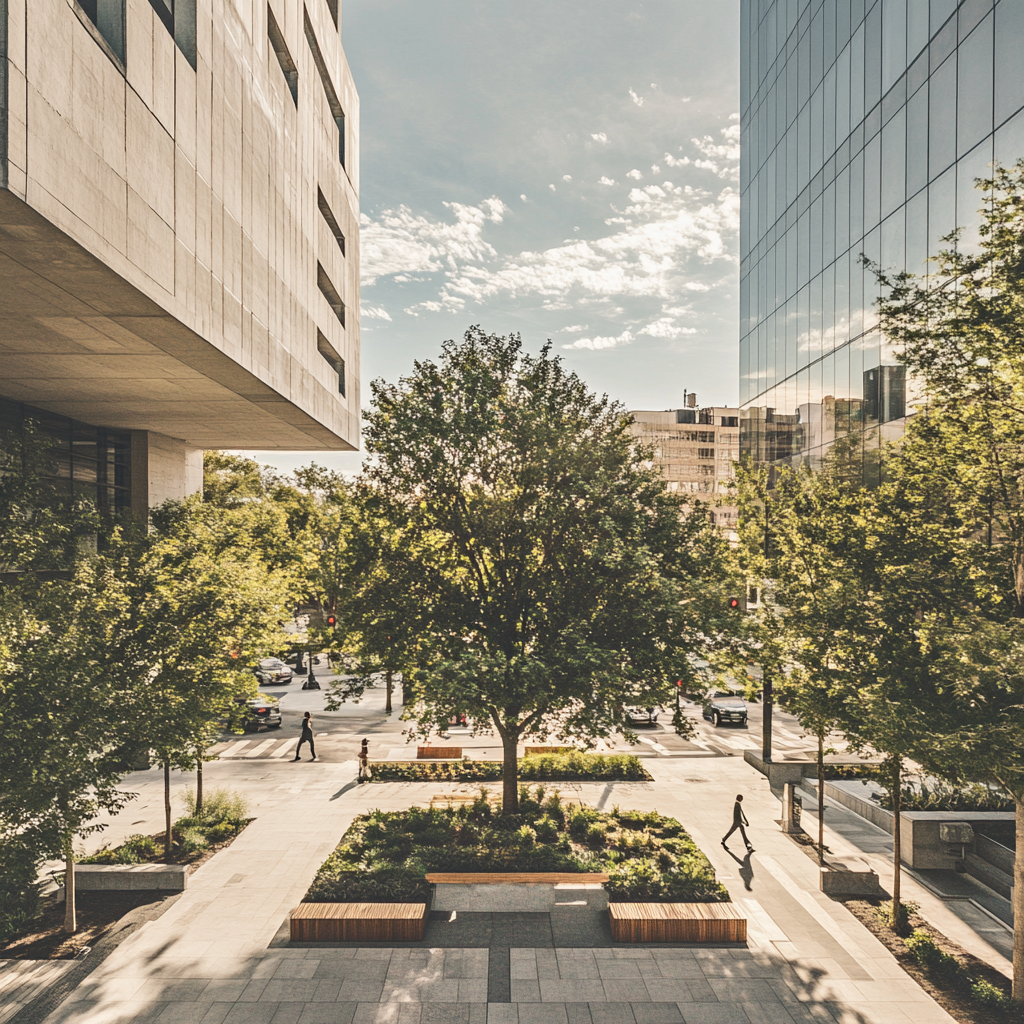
x,y
332,621
734,604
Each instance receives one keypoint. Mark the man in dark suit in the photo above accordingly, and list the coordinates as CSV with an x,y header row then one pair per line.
x,y
739,819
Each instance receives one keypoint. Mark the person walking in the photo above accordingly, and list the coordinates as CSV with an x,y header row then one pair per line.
x,y
306,737
739,819
364,761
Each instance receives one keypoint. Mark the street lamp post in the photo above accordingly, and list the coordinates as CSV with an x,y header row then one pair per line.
x,y
767,698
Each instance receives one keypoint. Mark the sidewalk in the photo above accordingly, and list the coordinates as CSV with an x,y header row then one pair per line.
x,y
208,958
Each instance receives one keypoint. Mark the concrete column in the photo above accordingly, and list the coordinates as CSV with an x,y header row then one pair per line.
x,y
162,468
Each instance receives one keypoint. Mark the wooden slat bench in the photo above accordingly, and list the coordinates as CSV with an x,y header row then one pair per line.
x,y
358,922
439,753
677,922
517,877
547,750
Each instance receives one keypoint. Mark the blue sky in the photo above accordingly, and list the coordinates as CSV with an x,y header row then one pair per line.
x,y
566,169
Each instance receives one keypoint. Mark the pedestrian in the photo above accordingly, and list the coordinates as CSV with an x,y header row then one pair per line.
x,y
306,737
739,819
364,761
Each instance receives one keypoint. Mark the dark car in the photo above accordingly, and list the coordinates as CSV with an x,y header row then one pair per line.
x,y
272,670
637,715
261,713
724,708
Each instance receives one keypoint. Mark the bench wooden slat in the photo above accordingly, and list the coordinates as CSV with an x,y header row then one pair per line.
x,y
433,753
677,922
358,922
517,877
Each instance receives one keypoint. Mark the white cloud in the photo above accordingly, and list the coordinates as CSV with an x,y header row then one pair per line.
x,y
566,177
374,313
638,100
605,180
523,197
635,174
596,344
721,158
574,329
552,187
686,99
599,137
401,242
655,169
665,327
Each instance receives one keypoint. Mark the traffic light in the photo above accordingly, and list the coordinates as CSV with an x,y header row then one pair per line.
x,y
332,621
734,604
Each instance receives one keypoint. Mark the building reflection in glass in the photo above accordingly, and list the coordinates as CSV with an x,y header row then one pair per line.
x,y
864,126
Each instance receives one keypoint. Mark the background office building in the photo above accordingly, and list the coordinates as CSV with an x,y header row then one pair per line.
x,y
178,235
695,448
864,126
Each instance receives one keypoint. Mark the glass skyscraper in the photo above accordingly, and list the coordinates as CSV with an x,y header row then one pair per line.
x,y
864,126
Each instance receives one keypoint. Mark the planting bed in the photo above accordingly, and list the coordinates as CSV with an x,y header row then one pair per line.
x,y
574,766
385,856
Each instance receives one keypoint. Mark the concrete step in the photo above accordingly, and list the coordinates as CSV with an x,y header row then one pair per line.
x,y
989,874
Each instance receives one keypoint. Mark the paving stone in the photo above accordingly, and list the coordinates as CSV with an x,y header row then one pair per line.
x,y
327,1013
542,1013
665,990
657,1013
571,990
612,969
502,1013
612,1013
713,1013
626,991
578,1013
444,1013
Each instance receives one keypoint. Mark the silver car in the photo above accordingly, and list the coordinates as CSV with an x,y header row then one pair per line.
x,y
272,670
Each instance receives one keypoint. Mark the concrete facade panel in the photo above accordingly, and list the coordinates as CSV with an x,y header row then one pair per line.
x,y
160,211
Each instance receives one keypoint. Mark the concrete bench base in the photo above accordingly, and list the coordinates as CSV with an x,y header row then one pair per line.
x,y
358,922
849,877
164,877
677,922
499,892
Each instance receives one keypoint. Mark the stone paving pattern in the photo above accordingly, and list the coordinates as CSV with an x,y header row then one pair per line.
x,y
217,956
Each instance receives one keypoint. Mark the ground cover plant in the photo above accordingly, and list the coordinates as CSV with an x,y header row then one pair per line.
x,y
224,814
574,766
384,855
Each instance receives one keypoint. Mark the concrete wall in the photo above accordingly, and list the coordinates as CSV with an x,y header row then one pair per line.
x,y
160,232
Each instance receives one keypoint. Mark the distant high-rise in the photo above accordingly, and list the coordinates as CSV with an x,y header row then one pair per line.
x,y
864,126
695,449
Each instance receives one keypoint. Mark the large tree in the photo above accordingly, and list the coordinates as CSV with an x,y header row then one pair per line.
x,y
556,579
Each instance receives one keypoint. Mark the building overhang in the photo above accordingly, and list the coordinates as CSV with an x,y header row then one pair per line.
x,y
79,340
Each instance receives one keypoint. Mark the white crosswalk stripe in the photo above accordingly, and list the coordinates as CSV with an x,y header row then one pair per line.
x,y
232,749
260,748
284,749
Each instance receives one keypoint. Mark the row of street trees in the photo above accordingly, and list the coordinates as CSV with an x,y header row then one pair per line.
x,y
115,646
899,611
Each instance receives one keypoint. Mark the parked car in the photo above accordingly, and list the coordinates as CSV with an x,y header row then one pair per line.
x,y
724,708
261,712
272,670
636,715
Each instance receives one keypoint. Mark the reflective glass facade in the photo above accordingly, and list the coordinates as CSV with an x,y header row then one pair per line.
x,y
864,126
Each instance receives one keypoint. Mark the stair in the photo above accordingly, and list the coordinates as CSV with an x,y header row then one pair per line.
x,y
987,873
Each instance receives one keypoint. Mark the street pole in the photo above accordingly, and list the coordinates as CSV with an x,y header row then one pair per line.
x,y
766,717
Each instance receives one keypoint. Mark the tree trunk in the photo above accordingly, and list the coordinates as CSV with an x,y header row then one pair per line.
x,y
896,779
167,811
199,783
767,704
821,798
70,915
1018,905
390,686
510,774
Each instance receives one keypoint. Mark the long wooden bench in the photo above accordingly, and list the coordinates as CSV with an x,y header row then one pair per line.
x,y
677,922
534,749
439,753
358,922
518,877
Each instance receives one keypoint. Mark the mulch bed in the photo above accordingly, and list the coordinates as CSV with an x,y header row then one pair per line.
x,y
98,914
955,1001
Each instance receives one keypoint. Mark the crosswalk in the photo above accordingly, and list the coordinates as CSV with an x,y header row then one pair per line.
x,y
259,748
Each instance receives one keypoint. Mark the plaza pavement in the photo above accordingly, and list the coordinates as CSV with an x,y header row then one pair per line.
x,y
209,958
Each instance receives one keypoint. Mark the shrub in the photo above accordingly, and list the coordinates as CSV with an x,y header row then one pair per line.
x,y
596,834
924,949
570,767
987,994
546,829
19,891
220,805
897,918
379,885
940,797
191,842
580,821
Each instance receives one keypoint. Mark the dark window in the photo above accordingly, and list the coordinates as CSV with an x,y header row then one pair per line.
x,y
332,96
332,221
885,393
730,421
108,17
179,18
330,293
705,453
336,363
284,58
686,415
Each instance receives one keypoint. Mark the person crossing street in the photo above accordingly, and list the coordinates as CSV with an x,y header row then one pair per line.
x,y
306,737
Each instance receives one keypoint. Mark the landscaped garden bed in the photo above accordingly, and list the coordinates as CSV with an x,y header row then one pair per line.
x,y
575,766
194,838
385,855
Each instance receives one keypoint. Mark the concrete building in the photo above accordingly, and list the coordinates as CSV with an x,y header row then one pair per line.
x,y
864,126
179,258
696,449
